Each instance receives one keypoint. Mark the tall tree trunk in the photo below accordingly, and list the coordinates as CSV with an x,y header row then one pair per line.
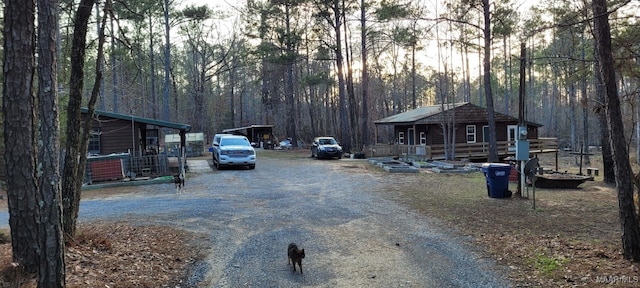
x,y
152,72
51,240
607,157
70,182
585,108
93,98
365,76
507,77
532,81
114,69
414,103
622,168
637,108
345,136
480,69
102,103
555,95
352,104
19,130
289,99
573,119
493,148
232,94
167,63
467,74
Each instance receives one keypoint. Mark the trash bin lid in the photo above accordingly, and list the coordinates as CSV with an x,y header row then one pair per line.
x,y
495,165
499,165
496,169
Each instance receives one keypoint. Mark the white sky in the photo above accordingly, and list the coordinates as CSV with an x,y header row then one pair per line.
x,y
427,55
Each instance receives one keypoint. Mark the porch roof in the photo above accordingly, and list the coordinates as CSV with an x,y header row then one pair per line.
x,y
148,121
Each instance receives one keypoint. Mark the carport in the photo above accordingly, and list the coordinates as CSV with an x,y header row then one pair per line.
x,y
261,135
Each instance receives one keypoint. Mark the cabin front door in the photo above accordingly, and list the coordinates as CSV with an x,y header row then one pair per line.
x,y
512,134
410,137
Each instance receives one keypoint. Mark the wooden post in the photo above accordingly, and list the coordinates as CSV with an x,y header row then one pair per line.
x,y
182,158
521,113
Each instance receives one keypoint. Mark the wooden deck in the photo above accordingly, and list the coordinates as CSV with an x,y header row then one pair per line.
x,y
470,151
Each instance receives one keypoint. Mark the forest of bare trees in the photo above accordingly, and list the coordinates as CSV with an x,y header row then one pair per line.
x,y
297,64
308,67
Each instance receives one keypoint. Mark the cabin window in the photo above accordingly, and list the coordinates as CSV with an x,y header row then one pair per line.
x,y
471,134
423,138
401,138
94,141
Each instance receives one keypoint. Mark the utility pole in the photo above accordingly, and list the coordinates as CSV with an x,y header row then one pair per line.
x,y
522,144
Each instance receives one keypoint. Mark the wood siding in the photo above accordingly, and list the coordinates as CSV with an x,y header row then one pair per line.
x,y
435,135
117,136
464,115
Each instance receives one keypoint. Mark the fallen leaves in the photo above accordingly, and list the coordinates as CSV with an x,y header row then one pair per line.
x,y
120,255
555,261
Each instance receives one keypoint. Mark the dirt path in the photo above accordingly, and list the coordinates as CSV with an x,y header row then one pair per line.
x,y
352,236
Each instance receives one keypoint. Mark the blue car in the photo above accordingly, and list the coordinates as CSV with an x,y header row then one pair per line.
x,y
326,147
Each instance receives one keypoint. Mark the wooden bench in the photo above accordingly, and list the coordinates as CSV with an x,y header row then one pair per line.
x,y
594,171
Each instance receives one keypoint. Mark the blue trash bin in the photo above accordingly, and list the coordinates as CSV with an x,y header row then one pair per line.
x,y
497,175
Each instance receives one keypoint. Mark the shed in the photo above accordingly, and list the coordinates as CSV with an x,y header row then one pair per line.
x,y
258,135
195,143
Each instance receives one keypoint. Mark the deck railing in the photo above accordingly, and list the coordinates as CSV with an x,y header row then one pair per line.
x,y
120,166
462,150
149,165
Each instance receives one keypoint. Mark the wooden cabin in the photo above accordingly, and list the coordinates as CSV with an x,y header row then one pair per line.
x,y
121,133
128,146
420,133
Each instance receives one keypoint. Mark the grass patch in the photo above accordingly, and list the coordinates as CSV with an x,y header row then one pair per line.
x,y
548,265
283,154
578,227
5,236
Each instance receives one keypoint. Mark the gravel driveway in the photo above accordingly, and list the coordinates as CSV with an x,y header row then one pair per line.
x,y
352,235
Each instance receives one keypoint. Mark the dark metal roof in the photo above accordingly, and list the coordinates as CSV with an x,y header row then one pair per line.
x,y
149,121
471,113
246,127
417,114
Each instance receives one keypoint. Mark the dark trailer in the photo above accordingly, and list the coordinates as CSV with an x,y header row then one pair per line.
x,y
258,135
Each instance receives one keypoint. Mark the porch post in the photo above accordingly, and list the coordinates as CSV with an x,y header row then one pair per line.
x,y
375,133
182,156
415,139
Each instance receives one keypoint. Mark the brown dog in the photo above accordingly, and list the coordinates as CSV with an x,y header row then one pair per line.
x,y
295,255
